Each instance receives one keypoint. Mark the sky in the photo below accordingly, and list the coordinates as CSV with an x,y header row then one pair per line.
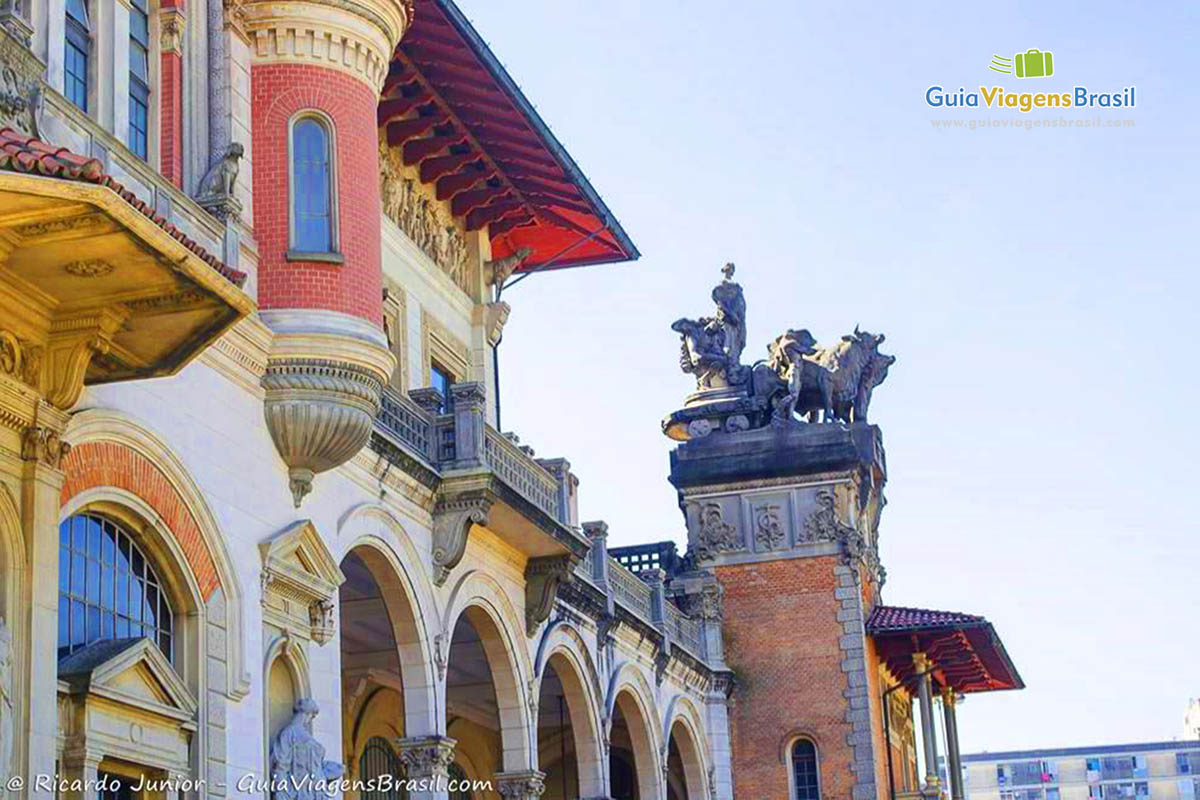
x,y
1037,286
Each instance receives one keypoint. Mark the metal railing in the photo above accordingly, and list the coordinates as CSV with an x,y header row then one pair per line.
x,y
407,422
521,472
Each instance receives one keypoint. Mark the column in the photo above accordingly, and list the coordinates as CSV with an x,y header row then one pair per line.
x,y
521,785
928,739
82,774
469,400
172,23
953,755
41,484
427,760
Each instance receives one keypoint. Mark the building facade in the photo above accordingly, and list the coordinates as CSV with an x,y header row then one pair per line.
x,y
261,533
1155,770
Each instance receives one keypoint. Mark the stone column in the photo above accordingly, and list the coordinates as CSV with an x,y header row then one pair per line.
x,y
928,739
42,451
469,401
953,755
521,785
82,773
427,760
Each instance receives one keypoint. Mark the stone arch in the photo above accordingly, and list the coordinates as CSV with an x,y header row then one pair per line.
x,y
375,535
684,723
564,648
485,605
632,695
288,653
112,449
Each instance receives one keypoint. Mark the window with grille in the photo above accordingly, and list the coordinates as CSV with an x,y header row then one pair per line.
x,y
139,78
77,53
312,197
804,771
378,759
107,588
458,779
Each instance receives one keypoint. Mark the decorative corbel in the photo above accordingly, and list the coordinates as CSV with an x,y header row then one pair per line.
x,y
452,521
172,24
72,345
43,444
543,576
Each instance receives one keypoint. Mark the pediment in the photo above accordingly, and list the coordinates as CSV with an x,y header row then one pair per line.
x,y
300,578
129,671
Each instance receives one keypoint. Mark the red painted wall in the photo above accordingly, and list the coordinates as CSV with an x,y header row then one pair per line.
x,y
355,287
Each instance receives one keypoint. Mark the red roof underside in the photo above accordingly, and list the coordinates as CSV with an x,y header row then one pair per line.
x,y
967,654
451,107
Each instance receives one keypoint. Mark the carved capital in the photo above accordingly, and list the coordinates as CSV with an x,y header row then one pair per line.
x,y
452,521
44,445
522,785
543,576
426,756
172,24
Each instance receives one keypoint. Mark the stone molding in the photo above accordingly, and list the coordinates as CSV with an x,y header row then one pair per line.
x,y
356,37
521,785
300,578
438,343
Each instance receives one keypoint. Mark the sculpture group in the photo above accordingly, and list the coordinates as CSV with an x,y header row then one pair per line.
x,y
798,380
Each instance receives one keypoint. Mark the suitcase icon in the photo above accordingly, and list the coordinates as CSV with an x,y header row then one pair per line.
x,y
1035,64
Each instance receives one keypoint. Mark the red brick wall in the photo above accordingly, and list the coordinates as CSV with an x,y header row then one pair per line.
x,y
171,103
781,639
95,464
278,92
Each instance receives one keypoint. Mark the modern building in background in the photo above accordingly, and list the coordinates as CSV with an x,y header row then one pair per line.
x,y
1152,770
260,524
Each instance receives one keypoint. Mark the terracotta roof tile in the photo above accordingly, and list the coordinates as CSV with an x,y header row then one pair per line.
x,y
32,156
898,618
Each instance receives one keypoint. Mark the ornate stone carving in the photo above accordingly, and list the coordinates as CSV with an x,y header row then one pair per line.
x,y
543,576
43,445
769,530
497,271
441,652
89,268
299,770
426,756
20,73
7,700
215,192
452,521
426,222
171,26
523,785
320,414
707,604
320,616
19,358
823,525
715,535
711,347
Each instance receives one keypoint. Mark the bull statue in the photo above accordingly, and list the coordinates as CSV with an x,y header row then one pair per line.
x,y
834,382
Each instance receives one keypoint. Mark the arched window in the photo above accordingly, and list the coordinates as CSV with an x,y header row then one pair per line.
x,y
458,779
312,186
107,588
806,785
379,760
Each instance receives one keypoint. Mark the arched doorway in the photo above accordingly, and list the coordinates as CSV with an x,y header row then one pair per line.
x,y
685,767
383,666
568,741
484,707
633,771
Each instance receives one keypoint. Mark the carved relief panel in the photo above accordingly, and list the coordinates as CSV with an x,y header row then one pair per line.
x,y
425,219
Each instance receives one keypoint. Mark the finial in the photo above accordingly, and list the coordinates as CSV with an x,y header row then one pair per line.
x,y
727,271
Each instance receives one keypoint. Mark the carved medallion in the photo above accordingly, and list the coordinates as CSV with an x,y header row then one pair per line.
x,y
769,533
715,535
89,268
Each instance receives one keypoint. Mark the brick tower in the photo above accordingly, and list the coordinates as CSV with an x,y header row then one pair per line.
x,y
785,513
315,74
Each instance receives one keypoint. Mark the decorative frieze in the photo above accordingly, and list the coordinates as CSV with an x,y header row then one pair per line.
x,y
425,220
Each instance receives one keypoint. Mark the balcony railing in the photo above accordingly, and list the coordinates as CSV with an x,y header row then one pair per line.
x,y
522,473
408,423
685,630
630,591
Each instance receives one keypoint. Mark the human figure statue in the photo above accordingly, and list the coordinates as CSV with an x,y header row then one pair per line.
x,y
7,719
731,314
299,770
711,347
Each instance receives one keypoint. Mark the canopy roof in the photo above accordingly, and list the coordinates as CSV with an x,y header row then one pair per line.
x,y
965,651
454,110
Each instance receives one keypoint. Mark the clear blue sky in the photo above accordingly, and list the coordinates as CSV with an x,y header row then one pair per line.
x,y
1038,287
